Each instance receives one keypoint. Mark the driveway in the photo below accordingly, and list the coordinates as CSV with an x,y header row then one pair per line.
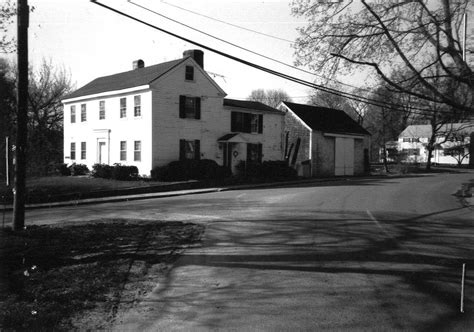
x,y
381,254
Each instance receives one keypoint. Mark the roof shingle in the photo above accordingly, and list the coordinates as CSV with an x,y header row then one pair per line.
x,y
129,79
250,105
326,119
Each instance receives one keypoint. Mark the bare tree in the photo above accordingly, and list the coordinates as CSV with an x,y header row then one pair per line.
x,y
269,97
411,36
7,15
48,86
7,110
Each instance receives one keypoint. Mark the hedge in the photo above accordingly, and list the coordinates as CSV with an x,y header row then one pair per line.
x,y
182,170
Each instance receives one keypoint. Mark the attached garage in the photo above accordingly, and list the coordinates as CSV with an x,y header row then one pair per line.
x,y
331,142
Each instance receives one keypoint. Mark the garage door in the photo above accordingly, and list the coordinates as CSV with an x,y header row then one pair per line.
x,y
344,156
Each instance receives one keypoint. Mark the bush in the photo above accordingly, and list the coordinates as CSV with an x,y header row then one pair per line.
x,y
124,173
115,172
78,169
102,171
62,169
182,170
270,169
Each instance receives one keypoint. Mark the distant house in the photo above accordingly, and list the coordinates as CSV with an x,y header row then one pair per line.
x,y
150,116
412,143
326,141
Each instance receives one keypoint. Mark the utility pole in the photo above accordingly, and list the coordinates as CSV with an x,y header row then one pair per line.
x,y
19,191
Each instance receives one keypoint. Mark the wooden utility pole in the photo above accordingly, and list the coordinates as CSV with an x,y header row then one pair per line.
x,y
19,191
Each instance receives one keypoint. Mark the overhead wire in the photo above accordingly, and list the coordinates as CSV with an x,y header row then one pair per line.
x,y
224,22
241,47
264,69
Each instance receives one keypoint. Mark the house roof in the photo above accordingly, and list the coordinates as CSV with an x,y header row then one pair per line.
x,y
232,138
326,119
128,79
419,131
250,105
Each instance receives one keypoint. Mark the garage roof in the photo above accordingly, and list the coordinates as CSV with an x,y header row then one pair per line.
x,y
326,119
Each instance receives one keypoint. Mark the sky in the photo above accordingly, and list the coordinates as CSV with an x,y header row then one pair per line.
x,y
90,41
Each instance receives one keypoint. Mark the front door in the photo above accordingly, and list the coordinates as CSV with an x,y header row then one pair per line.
x,y
228,155
102,153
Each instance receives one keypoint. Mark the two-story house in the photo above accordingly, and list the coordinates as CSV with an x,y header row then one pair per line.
x,y
150,116
414,139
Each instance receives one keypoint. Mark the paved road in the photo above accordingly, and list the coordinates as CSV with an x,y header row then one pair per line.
x,y
382,254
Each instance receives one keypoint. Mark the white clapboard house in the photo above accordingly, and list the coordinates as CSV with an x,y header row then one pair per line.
x,y
150,116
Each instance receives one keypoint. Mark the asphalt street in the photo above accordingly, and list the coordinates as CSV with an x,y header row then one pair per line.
x,y
358,254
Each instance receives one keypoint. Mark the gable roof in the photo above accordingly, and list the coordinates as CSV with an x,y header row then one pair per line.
x,y
250,105
128,79
419,131
326,119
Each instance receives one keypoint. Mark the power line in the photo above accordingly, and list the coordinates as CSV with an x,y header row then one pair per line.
x,y
243,48
267,70
224,22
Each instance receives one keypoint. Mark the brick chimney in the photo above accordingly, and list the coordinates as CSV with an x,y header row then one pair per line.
x,y
197,55
138,64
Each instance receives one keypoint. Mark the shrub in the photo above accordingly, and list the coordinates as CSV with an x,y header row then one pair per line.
x,y
181,170
78,169
62,169
102,171
124,173
270,169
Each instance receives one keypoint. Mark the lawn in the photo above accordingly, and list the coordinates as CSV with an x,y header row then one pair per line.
x,y
52,277
58,188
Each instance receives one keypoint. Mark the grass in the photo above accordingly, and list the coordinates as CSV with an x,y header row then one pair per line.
x,y
53,274
52,188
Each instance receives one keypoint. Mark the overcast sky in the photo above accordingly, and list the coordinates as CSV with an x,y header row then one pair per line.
x,y
90,41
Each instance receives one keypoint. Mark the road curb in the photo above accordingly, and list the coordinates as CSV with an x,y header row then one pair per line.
x,y
133,197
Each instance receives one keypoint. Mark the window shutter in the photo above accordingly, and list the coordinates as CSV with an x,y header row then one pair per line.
x,y
233,121
197,150
182,149
182,101
198,108
260,123
260,152
247,123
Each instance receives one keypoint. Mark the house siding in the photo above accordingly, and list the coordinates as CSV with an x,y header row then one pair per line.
x,y
168,128
110,130
296,129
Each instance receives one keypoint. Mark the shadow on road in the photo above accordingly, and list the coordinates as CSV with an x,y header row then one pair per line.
x,y
411,262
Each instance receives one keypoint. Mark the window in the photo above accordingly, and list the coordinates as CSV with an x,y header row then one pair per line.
x,y
138,108
189,107
83,150
73,151
83,113
411,152
189,149
246,122
73,114
137,151
123,107
411,140
123,150
102,110
254,153
189,76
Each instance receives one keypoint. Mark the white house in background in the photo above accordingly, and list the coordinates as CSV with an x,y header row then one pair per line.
x,y
326,141
413,140
150,116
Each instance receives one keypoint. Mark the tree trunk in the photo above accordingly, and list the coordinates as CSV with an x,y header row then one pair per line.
x,y
385,162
